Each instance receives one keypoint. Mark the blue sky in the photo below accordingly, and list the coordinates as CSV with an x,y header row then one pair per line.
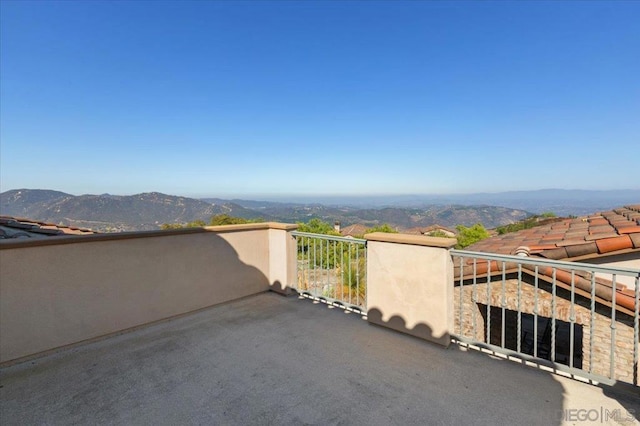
x,y
277,98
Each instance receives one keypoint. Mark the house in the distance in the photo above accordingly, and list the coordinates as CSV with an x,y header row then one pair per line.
x,y
356,230
593,315
432,231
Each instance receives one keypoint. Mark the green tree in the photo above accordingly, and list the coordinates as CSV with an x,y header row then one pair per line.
x,y
317,226
382,228
221,219
471,235
225,219
318,252
528,223
193,224
440,234
342,259
351,270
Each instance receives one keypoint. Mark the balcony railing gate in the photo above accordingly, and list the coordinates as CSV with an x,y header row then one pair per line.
x,y
332,269
572,317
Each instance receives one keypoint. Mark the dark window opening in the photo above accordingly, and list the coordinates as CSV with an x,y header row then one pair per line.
x,y
528,335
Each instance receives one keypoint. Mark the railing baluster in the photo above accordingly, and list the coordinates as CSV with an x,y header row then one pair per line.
x,y
503,305
460,302
592,322
315,267
335,269
307,265
519,325
342,271
562,342
535,313
350,299
474,308
636,332
308,284
329,262
328,266
572,317
357,276
552,350
613,328
489,302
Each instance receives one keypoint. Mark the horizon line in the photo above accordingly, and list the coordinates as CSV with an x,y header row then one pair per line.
x,y
243,196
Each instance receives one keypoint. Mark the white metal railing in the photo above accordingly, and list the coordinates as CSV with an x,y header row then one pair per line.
x,y
333,269
575,317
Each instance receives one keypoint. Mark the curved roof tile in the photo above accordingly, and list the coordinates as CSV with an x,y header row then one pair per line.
x,y
602,233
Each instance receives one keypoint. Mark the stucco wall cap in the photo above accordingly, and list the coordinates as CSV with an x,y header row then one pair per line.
x,y
74,239
252,226
89,238
283,226
416,240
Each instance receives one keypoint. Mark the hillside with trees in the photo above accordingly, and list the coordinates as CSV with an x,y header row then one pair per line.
x,y
153,210
112,213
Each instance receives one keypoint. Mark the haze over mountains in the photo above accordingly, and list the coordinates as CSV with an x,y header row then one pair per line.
x,y
563,202
148,211
111,212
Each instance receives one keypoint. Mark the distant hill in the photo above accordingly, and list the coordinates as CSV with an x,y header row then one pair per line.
x,y
106,212
400,217
563,202
29,202
148,211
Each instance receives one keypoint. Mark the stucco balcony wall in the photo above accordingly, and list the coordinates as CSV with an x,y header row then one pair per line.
x,y
66,290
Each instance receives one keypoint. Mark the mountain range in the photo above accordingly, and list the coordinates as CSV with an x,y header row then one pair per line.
x,y
148,211
563,202
112,213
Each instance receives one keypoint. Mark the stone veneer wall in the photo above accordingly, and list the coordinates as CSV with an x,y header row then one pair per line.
x,y
623,352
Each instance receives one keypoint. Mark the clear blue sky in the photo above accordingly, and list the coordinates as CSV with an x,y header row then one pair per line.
x,y
274,98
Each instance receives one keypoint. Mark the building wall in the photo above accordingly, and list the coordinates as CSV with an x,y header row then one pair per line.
x,y
61,294
408,287
472,311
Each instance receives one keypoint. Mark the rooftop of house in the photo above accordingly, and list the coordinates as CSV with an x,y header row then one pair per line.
x,y
12,227
422,230
601,234
596,236
355,230
269,359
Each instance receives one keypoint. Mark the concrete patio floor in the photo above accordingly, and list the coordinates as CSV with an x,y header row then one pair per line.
x,y
268,359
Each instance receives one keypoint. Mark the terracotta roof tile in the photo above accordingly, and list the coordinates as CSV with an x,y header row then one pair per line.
x,y
629,230
598,221
12,227
571,242
582,249
354,230
556,253
607,245
601,229
598,234
541,246
601,236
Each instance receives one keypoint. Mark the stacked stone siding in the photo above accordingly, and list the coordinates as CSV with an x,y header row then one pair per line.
x,y
473,325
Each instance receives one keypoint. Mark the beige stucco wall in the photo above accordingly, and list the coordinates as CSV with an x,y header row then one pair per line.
x,y
409,285
282,245
54,295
